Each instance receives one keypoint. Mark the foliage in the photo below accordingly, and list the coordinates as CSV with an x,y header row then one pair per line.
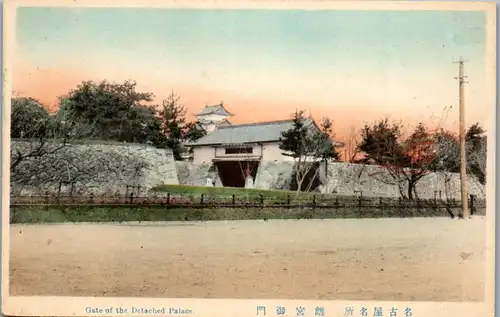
x,y
406,159
476,151
448,152
34,127
306,144
29,118
173,122
380,142
293,141
114,112
194,132
322,141
107,111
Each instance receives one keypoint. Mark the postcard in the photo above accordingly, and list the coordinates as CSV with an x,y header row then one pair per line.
x,y
248,158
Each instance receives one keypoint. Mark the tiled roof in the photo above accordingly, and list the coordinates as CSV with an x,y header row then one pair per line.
x,y
247,133
204,121
217,109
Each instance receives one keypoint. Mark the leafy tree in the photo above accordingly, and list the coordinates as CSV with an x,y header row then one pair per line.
x,y
323,141
448,152
306,144
476,151
406,160
293,140
194,132
33,131
29,118
474,135
380,142
113,111
173,119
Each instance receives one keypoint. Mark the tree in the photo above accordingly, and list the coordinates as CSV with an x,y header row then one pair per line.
x,y
36,133
194,132
173,118
113,111
418,157
406,160
448,152
447,157
29,118
351,148
323,141
306,144
380,141
476,145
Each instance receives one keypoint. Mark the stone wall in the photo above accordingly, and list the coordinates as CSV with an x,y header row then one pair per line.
x,y
269,174
343,179
92,167
196,174
276,175
375,181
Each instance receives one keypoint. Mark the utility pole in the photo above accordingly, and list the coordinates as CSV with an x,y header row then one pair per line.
x,y
463,160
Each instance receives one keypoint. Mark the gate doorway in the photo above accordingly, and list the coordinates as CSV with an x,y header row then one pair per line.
x,y
234,173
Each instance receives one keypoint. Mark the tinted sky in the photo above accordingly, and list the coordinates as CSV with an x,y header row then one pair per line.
x,y
352,66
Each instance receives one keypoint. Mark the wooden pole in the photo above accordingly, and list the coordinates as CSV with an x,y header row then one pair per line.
x,y
463,159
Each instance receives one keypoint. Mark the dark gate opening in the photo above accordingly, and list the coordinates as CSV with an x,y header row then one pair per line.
x,y
311,181
233,173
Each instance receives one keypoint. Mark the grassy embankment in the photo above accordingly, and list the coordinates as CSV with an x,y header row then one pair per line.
x,y
54,214
227,192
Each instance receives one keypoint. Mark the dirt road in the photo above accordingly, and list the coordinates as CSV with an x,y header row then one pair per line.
x,y
381,259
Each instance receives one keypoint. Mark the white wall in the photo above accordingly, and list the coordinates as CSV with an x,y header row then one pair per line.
x,y
203,155
209,128
272,152
221,152
212,117
268,151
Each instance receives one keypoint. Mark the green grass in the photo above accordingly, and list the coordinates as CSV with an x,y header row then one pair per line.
x,y
75,214
229,191
57,214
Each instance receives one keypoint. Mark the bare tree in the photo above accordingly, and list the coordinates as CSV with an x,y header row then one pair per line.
x,y
351,146
245,162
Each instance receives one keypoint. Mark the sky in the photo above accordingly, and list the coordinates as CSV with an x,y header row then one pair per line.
x,y
351,66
